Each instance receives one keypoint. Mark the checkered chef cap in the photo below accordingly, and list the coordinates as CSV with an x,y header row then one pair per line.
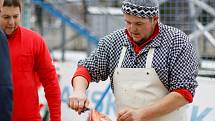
x,y
141,8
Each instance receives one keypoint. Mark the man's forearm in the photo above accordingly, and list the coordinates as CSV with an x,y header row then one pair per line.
x,y
78,101
79,84
164,106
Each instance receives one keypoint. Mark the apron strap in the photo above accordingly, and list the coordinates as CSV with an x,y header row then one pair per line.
x,y
149,58
122,55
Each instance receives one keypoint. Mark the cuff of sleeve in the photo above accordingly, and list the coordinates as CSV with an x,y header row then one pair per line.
x,y
82,71
186,93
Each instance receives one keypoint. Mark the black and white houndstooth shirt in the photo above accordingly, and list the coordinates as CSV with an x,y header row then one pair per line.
x,y
174,60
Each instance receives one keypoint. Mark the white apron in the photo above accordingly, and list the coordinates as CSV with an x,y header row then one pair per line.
x,y
139,87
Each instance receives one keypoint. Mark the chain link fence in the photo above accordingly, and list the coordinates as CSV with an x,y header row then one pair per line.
x,y
195,17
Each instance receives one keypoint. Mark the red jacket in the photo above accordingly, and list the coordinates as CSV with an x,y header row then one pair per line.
x,y
30,58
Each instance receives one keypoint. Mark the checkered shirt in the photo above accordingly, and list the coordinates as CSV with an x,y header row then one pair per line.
x,y
174,60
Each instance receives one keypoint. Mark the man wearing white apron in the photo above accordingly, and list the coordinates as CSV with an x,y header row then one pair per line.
x,y
152,67
141,87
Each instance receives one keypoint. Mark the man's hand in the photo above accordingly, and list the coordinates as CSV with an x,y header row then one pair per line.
x,y
78,101
128,114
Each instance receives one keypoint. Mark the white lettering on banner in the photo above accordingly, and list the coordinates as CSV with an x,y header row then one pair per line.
x,y
202,108
199,116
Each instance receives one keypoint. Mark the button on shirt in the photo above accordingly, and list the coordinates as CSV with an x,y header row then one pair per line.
x,y
175,60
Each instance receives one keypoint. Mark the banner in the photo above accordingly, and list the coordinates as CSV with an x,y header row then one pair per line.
x,y
202,108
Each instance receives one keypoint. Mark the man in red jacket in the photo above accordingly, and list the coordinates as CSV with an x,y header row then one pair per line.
x,y
29,58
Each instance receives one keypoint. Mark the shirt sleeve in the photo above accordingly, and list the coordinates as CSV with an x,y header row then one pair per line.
x,y
183,66
185,93
98,62
49,79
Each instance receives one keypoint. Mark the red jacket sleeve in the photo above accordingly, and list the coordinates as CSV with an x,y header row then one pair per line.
x,y
49,79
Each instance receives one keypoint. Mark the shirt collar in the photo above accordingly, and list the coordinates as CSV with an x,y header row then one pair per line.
x,y
154,42
154,35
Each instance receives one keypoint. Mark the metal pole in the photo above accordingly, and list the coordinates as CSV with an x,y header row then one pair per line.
x,y
63,41
204,6
198,33
84,11
206,33
26,14
39,15
193,17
